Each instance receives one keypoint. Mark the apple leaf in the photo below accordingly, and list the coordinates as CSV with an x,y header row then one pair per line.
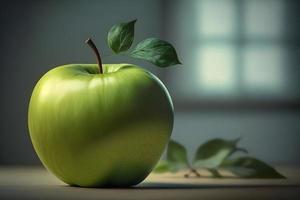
x,y
177,156
157,52
212,153
120,36
249,167
162,166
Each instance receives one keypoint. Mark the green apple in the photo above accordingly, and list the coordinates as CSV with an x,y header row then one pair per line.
x,y
96,129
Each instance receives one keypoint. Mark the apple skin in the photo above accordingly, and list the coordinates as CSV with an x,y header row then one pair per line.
x,y
100,130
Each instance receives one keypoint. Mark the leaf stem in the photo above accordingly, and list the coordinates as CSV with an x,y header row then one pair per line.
x,y
90,42
215,173
193,171
241,149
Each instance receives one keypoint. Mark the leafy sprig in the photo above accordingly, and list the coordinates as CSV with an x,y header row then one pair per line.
x,y
156,51
215,155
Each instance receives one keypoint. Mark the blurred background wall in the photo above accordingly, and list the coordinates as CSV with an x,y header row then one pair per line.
x,y
240,75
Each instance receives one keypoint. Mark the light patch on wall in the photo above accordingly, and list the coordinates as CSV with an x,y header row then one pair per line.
x,y
216,18
216,69
264,70
264,18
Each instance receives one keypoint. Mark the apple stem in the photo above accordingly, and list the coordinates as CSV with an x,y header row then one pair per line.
x,y
94,48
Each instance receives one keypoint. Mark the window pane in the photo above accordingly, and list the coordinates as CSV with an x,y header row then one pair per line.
x,y
263,18
216,70
216,18
264,70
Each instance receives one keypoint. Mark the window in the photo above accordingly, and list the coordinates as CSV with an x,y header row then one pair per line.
x,y
216,18
217,69
263,70
233,49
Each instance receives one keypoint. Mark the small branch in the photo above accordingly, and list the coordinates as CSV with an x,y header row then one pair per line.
x,y
195,172
192,171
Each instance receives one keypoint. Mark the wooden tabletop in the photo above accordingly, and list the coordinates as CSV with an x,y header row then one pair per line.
x,y
37,183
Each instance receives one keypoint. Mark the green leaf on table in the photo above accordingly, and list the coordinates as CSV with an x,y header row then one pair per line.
x,y
177,156
212,153
156,51
215,173
162,166
249,167
120,36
